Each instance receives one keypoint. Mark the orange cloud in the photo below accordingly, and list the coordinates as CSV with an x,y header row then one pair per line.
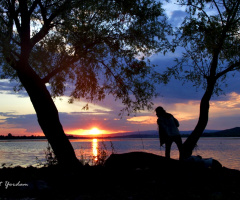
x,y
143,120
228,107
186,111
190,109
232,103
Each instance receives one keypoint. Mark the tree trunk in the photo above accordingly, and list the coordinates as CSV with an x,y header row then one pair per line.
x,y
47,115
192,140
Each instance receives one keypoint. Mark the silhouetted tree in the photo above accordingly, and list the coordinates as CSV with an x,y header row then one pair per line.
x,y
96,45
210,35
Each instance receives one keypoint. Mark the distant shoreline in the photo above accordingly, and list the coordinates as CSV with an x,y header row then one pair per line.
x,y
99,137
234,132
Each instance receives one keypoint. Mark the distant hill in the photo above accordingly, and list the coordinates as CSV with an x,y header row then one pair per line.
x,y
233,132
206,131
135,134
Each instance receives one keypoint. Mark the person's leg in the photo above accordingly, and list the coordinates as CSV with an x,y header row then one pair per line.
x,y
168,145
178,141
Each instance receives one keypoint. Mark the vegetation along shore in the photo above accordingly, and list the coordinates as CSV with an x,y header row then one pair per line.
x,y
134,175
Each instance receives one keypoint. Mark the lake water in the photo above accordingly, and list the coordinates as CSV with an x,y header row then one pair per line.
x,y
24,152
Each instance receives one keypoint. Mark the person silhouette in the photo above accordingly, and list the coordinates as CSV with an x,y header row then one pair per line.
x,y
168,131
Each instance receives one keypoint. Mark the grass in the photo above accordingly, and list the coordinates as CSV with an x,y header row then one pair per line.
x,y
50,158
102,154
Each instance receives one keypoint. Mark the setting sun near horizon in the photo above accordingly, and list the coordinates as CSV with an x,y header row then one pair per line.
x,y
94,131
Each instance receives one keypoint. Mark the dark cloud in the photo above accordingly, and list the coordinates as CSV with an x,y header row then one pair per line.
x,y
28,122
176,91
7,114
7,87
107,121
232,83
73,121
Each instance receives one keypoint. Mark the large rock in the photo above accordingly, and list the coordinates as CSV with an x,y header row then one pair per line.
x,y
139,160
143,160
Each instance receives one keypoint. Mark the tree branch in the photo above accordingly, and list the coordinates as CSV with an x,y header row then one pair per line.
x,y
220,14
119,80
225,5
47,22
230,68
43,12
34,5
198,8
52,73
68,60
11,61
14,14
196,63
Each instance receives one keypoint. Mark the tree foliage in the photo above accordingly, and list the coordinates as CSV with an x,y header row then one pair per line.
x,y
211,38
210,35
95,47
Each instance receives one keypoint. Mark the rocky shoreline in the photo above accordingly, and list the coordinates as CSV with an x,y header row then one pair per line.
x,y
122,178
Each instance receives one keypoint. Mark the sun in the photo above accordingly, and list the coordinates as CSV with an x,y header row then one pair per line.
x,y
94,131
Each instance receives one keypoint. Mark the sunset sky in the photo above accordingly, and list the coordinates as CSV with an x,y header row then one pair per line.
x,y
17,115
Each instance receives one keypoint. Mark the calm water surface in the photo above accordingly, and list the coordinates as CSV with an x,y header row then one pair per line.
x,y
24,152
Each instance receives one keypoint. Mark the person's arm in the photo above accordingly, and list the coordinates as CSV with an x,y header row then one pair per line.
x,y
176,122
162,132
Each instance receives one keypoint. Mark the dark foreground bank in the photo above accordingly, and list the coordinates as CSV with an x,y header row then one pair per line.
x,y
135,176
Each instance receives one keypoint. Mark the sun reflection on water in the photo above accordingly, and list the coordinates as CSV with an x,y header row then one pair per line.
x,y
23,152
95,149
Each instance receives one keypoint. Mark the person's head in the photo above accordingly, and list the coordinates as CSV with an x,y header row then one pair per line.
x,y
160,111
